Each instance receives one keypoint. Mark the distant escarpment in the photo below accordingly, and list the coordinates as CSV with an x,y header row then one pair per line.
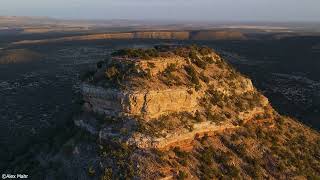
x,y
183,113
169,35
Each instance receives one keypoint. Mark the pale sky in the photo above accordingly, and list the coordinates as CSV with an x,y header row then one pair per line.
x,y
193,10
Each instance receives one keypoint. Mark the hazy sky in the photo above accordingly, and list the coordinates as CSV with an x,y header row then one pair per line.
x,y
206,10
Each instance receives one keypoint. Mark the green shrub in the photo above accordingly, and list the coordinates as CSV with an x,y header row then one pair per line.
x,y
205,51
107,174
197,116
280,120
215,96
91,171
221,157
253,171
204,78
231,170
182,175
228,115
214,117
204,138
220,64
183,162
151,65
137,53
172,67
209,60
193,55
192,75
152,52
169,78
207,155
111,72
209,172
180,153
200,63
183,52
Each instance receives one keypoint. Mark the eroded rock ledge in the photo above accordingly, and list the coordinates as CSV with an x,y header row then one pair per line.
x,y
149,104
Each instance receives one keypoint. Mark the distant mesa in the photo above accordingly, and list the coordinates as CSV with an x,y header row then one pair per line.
x,y
169,35
14,56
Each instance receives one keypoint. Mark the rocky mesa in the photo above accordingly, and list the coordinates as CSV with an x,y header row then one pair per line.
x,y
174,112
147,87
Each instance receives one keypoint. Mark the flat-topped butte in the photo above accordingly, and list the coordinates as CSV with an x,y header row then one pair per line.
x,y
152,83
168,95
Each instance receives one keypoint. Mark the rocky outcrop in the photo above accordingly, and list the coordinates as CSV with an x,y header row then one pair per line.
x,y
180,137
189,92
162,35
158,65
148,104
154,66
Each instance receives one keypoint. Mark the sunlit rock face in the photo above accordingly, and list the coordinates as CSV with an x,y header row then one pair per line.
x,y
192,89
149,104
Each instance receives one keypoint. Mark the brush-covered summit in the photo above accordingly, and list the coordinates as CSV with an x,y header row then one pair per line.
x,y
185,113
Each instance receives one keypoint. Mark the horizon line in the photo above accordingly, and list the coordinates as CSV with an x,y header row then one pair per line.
x,y
162,20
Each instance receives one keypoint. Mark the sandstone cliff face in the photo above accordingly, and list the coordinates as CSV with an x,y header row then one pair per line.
x,y
179,138
148,104
162,35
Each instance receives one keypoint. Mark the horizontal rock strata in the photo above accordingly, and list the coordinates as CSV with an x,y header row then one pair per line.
x,y
148,103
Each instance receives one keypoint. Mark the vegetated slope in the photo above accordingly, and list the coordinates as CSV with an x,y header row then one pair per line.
x,y
262,149
180,113
13,56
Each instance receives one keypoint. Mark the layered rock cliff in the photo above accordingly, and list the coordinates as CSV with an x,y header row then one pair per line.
x,y
169,35
166,86
184,113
